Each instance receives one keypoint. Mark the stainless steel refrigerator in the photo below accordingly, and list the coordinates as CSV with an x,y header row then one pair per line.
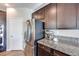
x,y
34,31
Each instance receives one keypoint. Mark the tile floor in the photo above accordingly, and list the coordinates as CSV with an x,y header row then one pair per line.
x,y
12,53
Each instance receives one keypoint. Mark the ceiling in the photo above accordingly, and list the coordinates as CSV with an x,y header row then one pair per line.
x,y
33,6
27,5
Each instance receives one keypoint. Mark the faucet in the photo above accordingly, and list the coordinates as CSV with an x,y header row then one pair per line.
x,y
49,35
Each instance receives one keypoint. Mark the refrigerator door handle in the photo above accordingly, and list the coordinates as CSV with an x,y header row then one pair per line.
x,y
29,31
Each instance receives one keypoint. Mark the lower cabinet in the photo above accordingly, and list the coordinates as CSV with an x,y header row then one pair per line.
x,y
43,50
46,51
57,53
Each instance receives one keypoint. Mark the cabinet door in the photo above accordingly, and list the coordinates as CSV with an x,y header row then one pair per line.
x,y
43,50
50,16
39,14
34,15
66,16
77,16
58,53
2,17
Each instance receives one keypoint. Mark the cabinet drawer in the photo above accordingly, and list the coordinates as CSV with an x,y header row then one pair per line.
x,y
44,47
58,53
46,51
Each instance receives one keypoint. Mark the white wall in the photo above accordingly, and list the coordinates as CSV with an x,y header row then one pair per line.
x,y
68,33
15,19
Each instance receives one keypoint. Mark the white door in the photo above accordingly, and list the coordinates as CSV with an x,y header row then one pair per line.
x,y
15,34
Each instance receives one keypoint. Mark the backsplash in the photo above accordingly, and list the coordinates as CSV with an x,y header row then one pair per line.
x,y
68,33
66,39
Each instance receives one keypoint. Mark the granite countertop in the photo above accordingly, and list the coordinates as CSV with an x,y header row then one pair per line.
x,y
69,49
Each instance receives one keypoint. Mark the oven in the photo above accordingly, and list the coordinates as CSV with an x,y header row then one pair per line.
x,y
1,35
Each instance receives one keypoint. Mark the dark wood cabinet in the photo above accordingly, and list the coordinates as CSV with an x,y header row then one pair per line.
x,y
50,16
34,14
2,17
39,14
59,15
57,53
43,50
66,16
46,51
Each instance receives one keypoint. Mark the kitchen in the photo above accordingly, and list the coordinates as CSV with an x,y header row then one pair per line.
x,y
51,29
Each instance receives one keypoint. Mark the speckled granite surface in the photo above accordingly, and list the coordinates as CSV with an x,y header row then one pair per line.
x,y
65,45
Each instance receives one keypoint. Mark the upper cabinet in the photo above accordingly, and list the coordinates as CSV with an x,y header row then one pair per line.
x,y
77,16
39,14
59,16
2,17
34,15
66,16
50,16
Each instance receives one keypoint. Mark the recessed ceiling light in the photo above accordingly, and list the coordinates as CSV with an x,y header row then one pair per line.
x,y
11,9
7,5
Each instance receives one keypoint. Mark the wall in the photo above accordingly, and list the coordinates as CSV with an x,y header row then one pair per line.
x,y
68,33
15,19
